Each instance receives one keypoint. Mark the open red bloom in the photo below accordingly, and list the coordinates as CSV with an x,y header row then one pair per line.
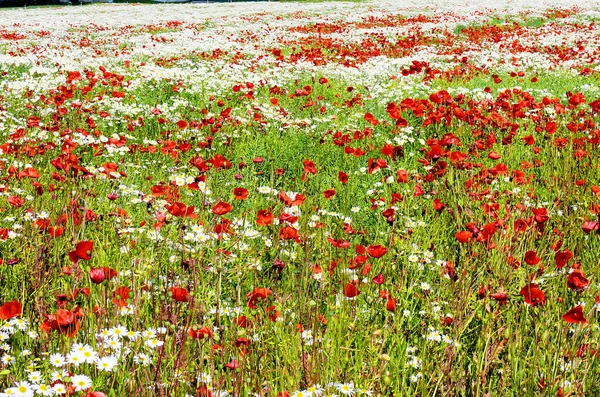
x,y
531,258
309,167
575,315
83,250
577,280
297,201
66,322
180,209
589,226
264,218
351,290
256,294
562,257
10,309
464,236
390,305
15,201
289,233
221,208
540,215
180,294
240,193
338,243
329,193
533,295
378,280
376,251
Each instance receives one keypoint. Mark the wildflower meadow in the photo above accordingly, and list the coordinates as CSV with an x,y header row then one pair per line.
x,y
367,198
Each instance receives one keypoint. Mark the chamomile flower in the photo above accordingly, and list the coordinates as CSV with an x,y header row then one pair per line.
x,y
75,358
88,353
23,389
44,390
59,389
56,375
81,382
154,343
315,391
20,323
11,391
132,335
7,359
35,377
142,359
107,363
346,389
113,343
57,360
149,333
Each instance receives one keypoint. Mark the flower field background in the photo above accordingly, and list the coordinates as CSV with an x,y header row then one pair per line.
x,y
373,198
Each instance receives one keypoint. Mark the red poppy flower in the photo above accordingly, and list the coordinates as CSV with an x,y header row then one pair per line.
x,y
95,394
180,209
245,342
493,156
264,218
500,297
83,250
371,119
575,315
242,321
10,309
531,258
15,201
343,177
351,290
562,257
589,226
376,251
402,176
56,231
64,317
329,193
577,280
378,280
221,208
464,236
540,215
232,364
272,313
309,167
533,295
201,333
240,193
289,233
97,275
256,294
180,294
297,201
390,305
120,296
66,322
338,243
